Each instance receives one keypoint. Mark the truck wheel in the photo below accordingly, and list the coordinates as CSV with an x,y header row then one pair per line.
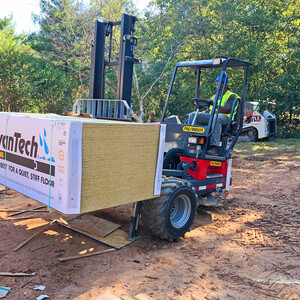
x,y
171,215
252,134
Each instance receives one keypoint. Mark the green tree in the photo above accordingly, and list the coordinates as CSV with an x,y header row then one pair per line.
x,y
50,69
263,32
64,39
15,68
167,34
28,82
66,34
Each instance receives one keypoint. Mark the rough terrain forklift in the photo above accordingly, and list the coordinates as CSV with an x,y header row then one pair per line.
x,y
190,175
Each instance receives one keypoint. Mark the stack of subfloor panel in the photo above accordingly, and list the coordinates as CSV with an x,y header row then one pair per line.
x,y
78,165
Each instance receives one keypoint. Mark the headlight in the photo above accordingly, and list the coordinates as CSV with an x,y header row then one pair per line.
x,y
196,140
192,140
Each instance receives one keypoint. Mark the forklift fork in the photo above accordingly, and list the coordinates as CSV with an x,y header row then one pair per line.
x,y
133,233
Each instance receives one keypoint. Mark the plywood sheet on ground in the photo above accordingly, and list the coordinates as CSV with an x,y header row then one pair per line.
x,y
116,239
93,225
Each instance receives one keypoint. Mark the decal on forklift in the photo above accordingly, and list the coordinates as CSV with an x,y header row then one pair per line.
x,y
193,129
215,163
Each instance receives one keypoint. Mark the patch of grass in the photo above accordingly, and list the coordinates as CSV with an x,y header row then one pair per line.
x,y
268,148
263,147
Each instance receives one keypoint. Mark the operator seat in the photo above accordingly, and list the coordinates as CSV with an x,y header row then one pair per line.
x,y
172,120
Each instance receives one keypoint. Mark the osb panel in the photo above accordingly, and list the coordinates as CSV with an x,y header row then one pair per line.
x,y
94,225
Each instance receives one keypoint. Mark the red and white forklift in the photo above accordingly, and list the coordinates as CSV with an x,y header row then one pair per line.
x,y
190,174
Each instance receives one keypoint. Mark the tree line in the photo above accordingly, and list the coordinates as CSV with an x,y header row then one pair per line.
x,y
46,71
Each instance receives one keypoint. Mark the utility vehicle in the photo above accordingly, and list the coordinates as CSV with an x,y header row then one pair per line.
x,y
257,124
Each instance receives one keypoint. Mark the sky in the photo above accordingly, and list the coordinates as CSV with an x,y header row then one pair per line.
x,y
23,9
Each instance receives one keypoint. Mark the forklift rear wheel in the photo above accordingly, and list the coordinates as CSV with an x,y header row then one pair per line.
x,y
253,134
171,215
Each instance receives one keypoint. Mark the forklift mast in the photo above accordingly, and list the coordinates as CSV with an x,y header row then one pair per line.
x,y
125,63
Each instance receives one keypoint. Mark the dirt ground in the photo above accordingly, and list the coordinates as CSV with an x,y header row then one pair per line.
x,y
247,247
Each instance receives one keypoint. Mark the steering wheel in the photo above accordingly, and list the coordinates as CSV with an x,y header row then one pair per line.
x,y
202,103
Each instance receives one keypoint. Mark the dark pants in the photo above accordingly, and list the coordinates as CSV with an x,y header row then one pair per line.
x,y
203,119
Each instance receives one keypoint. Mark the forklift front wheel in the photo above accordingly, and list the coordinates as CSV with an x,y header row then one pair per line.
x,y
171,215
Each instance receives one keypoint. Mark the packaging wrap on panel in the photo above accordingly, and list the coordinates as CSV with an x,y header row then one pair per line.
x,y
41,158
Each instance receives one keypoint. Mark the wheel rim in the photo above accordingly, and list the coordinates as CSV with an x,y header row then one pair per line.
x,y
180,211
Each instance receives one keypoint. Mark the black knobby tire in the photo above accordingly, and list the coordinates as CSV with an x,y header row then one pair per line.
x,y
171,215
252,134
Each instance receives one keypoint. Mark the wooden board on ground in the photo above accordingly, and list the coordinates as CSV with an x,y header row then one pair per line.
x,y
116,239
93,225
86,255
16,274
